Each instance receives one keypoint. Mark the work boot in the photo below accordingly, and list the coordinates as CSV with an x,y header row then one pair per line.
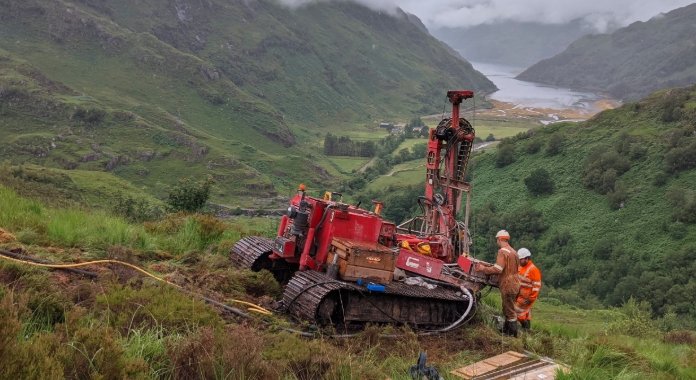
x,y
526,324
510,328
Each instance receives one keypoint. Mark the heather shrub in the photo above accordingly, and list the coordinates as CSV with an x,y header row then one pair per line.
x,y
539,182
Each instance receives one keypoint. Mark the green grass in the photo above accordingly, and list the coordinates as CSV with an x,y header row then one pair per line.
x,y
34,223
501,130
588,341
149,345
404,174
408,144
73,228
572,322
347,165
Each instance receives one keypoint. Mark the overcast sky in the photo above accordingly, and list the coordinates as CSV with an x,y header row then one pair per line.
x,y
452,13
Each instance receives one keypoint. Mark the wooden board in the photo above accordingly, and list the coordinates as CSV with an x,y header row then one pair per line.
x,y
364,254
349,272
353,273
510,365
545,373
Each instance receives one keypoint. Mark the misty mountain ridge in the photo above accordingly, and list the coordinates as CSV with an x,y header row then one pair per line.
x,y
629,63
512,43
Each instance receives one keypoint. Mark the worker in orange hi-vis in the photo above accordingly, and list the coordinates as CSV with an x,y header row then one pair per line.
x,y
530,285
506,266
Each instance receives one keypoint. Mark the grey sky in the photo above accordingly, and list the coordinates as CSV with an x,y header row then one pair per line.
x,y
599,14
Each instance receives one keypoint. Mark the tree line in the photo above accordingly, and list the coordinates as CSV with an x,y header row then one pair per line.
x,y
344,146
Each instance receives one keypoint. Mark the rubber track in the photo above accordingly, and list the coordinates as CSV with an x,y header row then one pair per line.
x,y
248,250
303,294
307,290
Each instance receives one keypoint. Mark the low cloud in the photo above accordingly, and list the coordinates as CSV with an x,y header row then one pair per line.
x,y
389,6
598,14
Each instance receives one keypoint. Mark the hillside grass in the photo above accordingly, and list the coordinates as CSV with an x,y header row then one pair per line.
x,y
98,230
409,144
137,328
347,165
501,129
575,208
404,174
597,248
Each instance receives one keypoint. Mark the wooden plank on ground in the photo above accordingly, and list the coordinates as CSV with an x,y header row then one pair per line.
x,y
505,358
488,365
544,373
510,365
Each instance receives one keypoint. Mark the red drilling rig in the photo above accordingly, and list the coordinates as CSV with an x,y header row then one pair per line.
x,y
345,265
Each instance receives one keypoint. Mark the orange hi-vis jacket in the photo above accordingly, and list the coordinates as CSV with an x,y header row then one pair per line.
x,y
530,279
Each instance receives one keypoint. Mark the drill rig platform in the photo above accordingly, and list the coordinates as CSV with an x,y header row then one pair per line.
x,y
346,266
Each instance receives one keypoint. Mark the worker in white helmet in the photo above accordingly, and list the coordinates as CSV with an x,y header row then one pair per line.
x,y
530,285
506,266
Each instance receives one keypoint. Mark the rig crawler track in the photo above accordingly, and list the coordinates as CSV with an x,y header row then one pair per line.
x,y
315,297
252,252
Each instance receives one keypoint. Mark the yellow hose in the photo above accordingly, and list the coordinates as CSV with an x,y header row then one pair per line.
x,y
251,307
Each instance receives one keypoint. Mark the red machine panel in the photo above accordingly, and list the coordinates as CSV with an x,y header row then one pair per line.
x,y
465,264
356,225
284,247
416,263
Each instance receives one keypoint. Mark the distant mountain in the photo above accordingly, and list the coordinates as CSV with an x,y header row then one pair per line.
x,y
518,44
630,63
154,90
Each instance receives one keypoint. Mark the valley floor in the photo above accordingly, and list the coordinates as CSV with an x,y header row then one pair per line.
x,y
544,115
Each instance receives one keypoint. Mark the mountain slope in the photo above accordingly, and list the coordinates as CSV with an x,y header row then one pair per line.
x,y
310,61
621,220
630,63
155,90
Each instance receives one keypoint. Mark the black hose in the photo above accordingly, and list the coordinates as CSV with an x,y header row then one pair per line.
x,y
323,217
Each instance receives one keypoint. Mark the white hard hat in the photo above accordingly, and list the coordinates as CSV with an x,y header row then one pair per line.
x,y
502,234
524,253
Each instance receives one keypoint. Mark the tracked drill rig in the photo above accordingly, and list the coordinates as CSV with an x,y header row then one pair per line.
x,y
346,266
